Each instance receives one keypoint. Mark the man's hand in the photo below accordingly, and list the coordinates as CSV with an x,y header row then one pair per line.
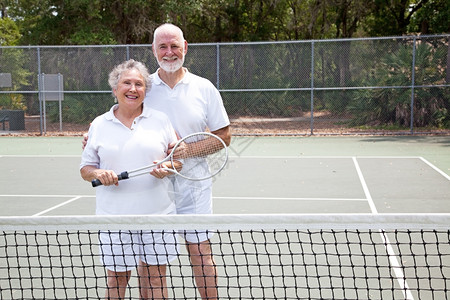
x,y
84,141
180,152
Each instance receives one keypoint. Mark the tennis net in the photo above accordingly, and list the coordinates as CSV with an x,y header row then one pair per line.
x,y
343,256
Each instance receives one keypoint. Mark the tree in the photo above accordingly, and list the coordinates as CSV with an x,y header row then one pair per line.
x,y
63,22
12,60
75,22
9,32
392,17
393,106
433,17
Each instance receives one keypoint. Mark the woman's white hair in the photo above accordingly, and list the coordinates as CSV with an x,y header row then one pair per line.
x,y
131,64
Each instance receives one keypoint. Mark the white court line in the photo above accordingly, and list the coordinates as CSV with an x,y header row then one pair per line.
x,y
316,156
56,206
286,198
395,265
369,199
49,196
214,197
435,168
39,156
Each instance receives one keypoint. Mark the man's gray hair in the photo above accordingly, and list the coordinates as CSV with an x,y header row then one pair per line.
x,y
131,64
167,26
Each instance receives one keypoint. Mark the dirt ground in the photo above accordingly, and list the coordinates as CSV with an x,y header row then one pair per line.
x,y
294,126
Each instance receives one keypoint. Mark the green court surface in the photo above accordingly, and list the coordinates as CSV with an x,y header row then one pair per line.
x,y
280,177
383,174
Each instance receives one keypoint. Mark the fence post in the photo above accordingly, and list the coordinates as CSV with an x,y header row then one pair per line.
x,y
41,116
60,97
413,73
217,66
312,87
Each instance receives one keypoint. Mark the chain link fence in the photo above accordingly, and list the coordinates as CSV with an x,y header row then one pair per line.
x,y
392,85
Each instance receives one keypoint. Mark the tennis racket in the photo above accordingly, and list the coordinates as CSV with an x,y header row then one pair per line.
x,y
203,155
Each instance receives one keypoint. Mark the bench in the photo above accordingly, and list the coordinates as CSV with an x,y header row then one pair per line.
x,y
3,120
15,119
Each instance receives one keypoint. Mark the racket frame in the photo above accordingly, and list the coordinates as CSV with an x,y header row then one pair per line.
x,y
145,170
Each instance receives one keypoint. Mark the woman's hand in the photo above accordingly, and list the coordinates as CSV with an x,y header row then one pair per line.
x,y
163,170
106,177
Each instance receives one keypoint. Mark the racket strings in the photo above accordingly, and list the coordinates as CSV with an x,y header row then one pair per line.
x,y
202,146
202,155
206,156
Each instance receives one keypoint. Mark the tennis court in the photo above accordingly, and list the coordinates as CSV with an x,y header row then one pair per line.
x,y
264,175
271,178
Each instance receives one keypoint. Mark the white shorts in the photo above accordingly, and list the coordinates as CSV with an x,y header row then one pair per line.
x,y
123,250
193,197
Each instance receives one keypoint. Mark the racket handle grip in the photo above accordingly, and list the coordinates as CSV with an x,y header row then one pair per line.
x,y
123,175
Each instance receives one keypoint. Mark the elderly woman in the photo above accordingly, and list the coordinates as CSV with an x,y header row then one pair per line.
x,y
130,136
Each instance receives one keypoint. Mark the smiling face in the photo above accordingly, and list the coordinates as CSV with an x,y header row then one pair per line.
x,y
130,91
169,49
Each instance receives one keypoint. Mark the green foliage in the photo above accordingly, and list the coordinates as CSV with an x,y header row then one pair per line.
x,y
266,104
80,109
9,32
68,22
88,36
433,17
441,118
13,61
393,106
12,101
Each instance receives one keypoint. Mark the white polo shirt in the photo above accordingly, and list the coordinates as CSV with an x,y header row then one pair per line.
x,y
113,146
193,105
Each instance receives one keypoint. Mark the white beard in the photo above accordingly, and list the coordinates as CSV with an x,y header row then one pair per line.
x,y
172,66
